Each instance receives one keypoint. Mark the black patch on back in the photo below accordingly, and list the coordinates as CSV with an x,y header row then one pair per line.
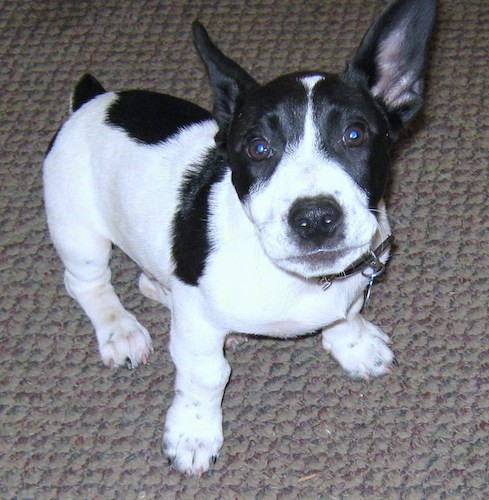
x,y
150,117
86,89
191,242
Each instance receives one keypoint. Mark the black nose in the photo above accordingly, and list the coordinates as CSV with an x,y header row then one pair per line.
x,y
315,219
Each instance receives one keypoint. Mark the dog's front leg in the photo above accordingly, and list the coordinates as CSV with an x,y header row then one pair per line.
x,y
193,430
359,346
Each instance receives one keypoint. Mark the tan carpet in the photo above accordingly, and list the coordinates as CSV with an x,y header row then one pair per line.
x,y
295,425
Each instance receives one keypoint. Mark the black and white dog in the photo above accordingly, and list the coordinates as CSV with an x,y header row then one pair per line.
x,y
265,217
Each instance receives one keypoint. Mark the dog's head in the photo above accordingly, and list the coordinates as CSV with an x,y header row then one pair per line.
x,y
309,151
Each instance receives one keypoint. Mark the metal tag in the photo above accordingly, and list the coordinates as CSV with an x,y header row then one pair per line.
x,y
325,283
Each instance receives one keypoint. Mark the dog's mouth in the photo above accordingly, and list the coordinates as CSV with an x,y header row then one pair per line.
x,y
320,258
323,262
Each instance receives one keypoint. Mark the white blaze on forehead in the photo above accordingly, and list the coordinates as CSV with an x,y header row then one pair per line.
x,y
310,82
309,141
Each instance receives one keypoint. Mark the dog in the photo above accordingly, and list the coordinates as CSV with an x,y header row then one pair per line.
x,y
264,217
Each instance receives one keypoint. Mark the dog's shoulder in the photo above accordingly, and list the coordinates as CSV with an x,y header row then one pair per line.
x,y
191,239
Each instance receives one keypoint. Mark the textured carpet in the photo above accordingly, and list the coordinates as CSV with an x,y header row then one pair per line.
x,y
295,425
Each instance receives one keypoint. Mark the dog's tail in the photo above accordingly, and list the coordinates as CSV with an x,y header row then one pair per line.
x,y
86,89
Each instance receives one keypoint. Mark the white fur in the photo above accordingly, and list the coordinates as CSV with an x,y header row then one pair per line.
x,y
101,187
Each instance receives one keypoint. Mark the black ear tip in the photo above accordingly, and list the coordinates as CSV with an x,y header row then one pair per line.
x,y
199,32
196,25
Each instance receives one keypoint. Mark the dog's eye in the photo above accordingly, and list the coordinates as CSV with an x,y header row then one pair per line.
x,y
354,135
259,149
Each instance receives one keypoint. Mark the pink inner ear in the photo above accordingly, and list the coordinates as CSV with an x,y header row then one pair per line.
x,y
395,84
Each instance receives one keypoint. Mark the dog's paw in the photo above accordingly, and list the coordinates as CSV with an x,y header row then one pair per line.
x,y
123,341
192,438
361,352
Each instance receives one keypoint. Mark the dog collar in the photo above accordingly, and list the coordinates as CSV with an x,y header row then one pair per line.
x,y
367,260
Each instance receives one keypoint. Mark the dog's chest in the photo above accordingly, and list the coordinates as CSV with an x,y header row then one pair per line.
x,y
246,292
257,298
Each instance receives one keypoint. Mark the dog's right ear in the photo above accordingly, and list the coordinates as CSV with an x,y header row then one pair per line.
x,y
229,82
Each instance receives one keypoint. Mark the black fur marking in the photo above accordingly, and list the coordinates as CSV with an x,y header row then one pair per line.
x,y
191,243
150,117
338,104
86,89
275,111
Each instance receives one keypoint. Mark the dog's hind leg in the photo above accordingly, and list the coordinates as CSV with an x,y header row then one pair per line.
x,y
151,289
85,254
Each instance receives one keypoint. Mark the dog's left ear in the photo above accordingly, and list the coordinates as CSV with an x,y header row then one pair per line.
x,y
391,57
229,82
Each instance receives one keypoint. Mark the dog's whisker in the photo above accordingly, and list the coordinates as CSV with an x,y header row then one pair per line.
x,y
389,217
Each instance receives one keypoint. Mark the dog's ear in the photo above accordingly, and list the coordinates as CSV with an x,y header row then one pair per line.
x,y
391,57
229,82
